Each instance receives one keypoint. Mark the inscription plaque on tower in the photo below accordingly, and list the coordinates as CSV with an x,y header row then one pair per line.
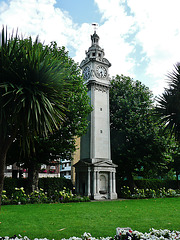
x,y
95,172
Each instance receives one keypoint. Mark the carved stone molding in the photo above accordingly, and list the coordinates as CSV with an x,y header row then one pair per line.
x,y
98,87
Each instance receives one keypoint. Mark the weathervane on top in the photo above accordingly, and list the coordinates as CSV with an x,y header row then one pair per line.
x,y
95,26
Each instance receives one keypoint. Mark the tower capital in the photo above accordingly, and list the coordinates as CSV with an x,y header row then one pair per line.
x,y
95,66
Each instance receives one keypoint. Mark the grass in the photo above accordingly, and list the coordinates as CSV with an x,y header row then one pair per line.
x,y
99,218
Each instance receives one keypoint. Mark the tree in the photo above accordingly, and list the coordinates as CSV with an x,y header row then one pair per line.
x,y
60,144
168,109
137,146
168,105
35,82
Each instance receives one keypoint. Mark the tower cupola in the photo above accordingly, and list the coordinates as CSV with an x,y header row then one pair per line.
x,y
95,39
95,53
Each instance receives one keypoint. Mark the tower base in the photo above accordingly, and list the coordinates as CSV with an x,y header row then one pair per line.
x,y
96,180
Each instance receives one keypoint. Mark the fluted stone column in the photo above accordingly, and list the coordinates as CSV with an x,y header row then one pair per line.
x,y
89,182
77,182
97,181
110,184
94,185
114,182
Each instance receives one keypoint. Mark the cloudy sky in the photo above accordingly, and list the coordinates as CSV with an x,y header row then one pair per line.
x,y
141,38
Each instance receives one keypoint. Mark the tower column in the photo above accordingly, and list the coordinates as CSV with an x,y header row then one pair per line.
x,y
94,185
97,180
77,182
89,182
110,183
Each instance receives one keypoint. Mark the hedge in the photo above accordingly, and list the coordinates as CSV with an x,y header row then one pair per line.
x,y
153,184
49,185
156,184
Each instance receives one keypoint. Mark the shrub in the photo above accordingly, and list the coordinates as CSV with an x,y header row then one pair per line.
x,y
125,192
20,197
138,193
48,184
62,196
4,198
11,183
156,184
171,193
38,197
150,193
147,193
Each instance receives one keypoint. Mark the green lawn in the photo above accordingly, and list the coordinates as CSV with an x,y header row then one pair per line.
x,y
99,218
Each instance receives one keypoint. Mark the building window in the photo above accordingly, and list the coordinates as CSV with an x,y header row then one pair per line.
x,y
43,166
9,167
52,167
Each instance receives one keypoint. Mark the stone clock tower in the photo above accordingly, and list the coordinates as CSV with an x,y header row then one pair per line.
x,y
95,172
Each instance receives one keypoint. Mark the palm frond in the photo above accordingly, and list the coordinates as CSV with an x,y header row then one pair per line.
x,y
168,104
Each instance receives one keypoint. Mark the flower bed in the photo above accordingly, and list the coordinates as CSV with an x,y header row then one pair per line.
x,y
148,193
121,235
20,197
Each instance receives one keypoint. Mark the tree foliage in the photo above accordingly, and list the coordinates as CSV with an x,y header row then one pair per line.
x,y
60,144
168,107
37,84
137,143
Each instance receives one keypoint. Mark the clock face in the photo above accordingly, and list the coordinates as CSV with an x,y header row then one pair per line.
x,y
86,73
101,71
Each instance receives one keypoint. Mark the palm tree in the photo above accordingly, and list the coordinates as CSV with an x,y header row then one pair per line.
x,y
168,105
33,86
168,108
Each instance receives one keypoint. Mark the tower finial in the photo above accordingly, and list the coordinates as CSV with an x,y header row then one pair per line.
x,y
95,25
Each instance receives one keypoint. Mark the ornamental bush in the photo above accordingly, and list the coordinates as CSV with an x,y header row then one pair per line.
x,y
38,197
147,193
154,184
48,184
20,197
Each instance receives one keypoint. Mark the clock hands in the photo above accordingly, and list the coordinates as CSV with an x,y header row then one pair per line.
x,y
101,71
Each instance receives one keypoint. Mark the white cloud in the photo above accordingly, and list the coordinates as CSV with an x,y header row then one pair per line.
x,y
37,17
155,25
114,30
159,35
149,29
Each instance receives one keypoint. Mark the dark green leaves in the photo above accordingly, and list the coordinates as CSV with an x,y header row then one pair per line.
x,y
36,84
135,137
168,106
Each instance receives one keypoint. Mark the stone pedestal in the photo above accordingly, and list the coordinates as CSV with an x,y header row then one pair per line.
x,y
97,181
